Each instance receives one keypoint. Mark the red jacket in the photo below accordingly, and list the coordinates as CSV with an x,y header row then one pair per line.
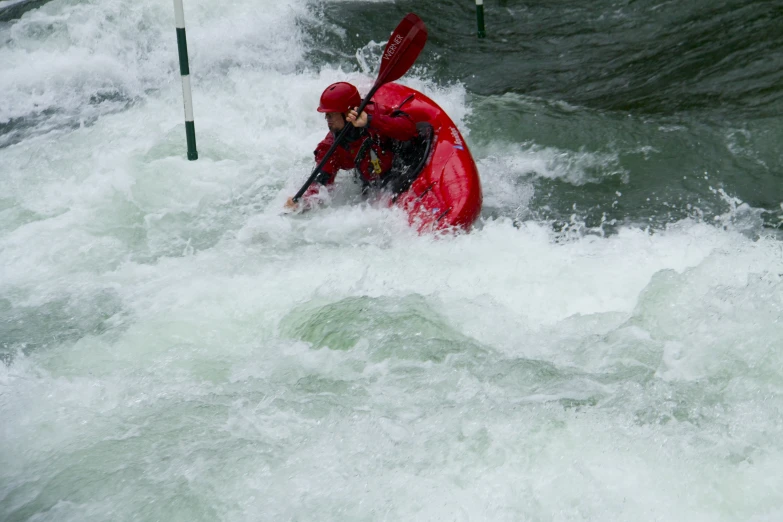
x,y
368,149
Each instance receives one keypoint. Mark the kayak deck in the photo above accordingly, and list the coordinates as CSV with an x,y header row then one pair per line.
x,y
446,194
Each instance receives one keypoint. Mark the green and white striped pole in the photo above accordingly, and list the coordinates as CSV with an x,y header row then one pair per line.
x,y
480,18
184,70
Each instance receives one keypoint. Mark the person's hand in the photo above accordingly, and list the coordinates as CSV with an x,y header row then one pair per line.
x,y
357,120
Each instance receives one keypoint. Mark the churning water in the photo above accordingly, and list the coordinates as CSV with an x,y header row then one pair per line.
x,y
605,345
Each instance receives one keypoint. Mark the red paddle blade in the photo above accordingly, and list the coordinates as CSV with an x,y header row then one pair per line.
x,y
402,49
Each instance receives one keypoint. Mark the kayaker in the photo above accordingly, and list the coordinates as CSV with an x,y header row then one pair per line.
x,y
378,134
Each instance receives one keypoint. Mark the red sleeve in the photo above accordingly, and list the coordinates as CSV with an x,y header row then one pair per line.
x,y
398,125
338,160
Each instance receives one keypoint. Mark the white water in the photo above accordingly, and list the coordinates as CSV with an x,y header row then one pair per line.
x,y
179,350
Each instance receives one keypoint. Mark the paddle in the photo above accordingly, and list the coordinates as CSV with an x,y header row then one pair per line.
x,y
402,49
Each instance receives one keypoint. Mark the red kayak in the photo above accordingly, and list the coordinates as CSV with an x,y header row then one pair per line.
x,y
446,191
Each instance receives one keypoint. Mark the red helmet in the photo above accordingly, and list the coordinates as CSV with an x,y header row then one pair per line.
x,y
339,97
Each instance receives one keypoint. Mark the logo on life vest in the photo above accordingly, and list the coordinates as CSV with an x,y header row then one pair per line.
x,y
376,163
457,139
392,47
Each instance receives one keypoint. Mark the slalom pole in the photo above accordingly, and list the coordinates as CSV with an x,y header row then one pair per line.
x,y
184,70
480,18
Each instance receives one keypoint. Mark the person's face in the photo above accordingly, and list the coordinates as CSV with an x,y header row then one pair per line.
x,y
335,121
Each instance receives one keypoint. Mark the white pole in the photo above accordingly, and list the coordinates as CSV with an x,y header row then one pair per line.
x,y
184,70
